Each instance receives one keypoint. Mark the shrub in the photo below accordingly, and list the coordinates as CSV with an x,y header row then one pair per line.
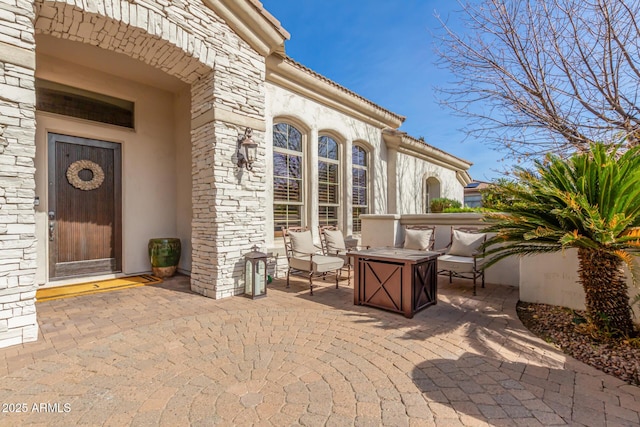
x,y
462,210
500,195
441,203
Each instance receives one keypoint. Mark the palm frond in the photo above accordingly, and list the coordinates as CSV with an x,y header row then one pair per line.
x,y
590,201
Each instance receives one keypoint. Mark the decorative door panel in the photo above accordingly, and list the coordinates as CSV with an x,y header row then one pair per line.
x,y
84,206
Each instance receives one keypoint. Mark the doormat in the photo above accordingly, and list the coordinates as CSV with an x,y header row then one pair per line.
x,y
57,292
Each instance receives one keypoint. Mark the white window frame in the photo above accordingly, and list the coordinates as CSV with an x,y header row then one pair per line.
x,y
303,173
367,168
338,162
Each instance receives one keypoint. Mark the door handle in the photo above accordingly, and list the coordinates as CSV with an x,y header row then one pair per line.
x,y
52,225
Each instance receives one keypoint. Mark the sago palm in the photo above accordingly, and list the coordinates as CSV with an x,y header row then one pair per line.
x,y
590,201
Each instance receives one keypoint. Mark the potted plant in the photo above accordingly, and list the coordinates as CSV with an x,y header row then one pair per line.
x,y
164,255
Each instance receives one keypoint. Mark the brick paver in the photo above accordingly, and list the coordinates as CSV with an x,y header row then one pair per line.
x,y
161,355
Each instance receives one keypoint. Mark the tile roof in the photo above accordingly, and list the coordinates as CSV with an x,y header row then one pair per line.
x,y
319,76
437,149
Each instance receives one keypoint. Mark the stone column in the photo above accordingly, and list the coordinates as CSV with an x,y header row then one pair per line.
x,y
204,262
229,203
17,175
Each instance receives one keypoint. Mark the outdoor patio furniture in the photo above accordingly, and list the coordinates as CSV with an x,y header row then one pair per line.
x,y
462,257
303,256
419,237
333,244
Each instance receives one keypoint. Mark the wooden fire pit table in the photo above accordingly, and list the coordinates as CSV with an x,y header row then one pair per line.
x,y
399,280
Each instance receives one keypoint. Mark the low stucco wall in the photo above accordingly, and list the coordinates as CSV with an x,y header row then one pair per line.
x,y
553,279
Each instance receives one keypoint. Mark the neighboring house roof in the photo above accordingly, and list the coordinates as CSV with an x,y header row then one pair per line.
x,y
475,188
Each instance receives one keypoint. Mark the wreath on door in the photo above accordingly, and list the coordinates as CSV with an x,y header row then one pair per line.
x,y
73,175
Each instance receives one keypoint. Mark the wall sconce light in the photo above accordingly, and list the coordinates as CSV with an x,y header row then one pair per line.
x,y
247,149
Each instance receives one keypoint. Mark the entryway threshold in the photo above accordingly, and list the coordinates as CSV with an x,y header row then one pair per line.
x,y
92,287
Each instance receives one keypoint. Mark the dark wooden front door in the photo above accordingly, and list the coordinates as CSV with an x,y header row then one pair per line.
x,y
85,231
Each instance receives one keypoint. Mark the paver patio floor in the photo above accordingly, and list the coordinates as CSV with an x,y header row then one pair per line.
x,y
161,355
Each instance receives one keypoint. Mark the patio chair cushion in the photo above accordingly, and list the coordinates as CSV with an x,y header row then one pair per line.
x,y
457,264
417,239
320,264
335,241
301,243
465,244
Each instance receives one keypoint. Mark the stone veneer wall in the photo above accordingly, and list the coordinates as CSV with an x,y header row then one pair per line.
x,y
183,38
17,184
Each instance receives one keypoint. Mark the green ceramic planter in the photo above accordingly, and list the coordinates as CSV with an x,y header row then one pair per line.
x,y
164,255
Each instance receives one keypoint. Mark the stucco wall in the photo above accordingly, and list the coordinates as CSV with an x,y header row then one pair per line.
x,y
553,279
182,139
313,120
412,174
152,169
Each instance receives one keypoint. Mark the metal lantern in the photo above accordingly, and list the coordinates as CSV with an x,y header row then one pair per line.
x,y
255,274
247,150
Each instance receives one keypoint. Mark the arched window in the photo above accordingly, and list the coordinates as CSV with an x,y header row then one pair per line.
x,y
288,177
431,191
360,196
328,181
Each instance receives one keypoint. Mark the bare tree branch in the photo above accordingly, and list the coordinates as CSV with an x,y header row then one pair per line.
x,y
534,76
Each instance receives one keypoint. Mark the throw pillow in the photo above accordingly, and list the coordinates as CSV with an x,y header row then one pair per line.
x,y
417,239
335,241
301,243
465,244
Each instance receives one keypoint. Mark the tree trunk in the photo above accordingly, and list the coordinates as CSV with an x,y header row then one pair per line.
x,y
606,292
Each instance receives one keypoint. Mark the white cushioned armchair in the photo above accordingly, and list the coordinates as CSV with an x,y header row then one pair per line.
x,y
333,244
463,256
303,256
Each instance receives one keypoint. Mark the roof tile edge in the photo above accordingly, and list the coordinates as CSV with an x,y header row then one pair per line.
x,y
286,72
410,145
342,88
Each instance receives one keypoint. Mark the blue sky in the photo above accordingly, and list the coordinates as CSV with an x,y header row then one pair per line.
x,y
384,51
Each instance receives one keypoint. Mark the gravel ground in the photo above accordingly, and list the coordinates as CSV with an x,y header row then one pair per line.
x,y
566,329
